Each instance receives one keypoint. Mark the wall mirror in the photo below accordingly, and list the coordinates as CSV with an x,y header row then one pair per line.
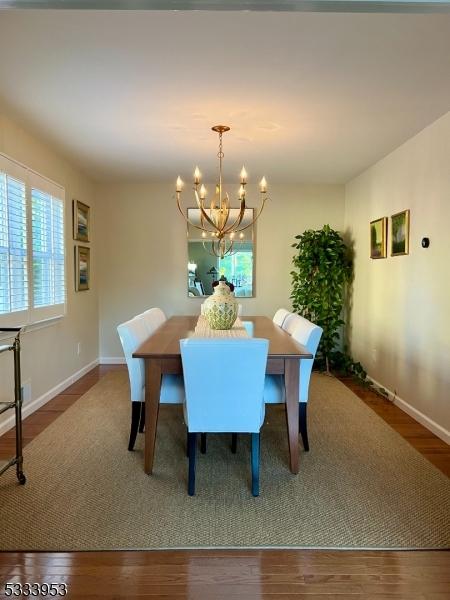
x,y
204,267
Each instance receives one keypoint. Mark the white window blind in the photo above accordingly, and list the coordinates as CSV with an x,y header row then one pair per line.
x,y
48,249
13,245
32,246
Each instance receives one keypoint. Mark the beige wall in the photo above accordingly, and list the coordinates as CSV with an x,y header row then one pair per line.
x,y
143,250
49,354
401,308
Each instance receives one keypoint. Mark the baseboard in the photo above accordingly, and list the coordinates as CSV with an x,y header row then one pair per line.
x,y
30,408
111,360
442,433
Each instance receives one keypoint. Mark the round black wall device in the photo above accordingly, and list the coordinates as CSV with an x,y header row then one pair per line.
x,y
425,242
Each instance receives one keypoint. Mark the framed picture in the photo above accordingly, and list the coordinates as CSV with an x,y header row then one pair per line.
x,y
378,238
82,268
81,221
400,233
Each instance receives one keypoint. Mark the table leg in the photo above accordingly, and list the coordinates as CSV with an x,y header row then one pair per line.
x,y
291,382
152,395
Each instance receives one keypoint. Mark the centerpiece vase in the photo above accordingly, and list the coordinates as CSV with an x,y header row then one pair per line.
x,y
221,309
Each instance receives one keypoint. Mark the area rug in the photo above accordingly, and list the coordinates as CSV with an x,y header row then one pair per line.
x,y
360,485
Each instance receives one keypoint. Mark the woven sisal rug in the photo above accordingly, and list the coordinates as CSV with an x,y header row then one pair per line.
x,y
360,486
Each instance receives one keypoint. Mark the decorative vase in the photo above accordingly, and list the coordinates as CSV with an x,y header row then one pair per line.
x,y
221,309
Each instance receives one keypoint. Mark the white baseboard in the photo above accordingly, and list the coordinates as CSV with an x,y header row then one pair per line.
x,y
442,433
111,360
30,408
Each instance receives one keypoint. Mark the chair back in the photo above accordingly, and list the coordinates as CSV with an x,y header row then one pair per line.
x,y
280,316
224,383
153,318
132,334
290,323
308,334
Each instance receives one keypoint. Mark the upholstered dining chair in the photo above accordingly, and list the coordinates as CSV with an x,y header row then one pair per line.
x,y
154,318
132,334
308,334
280,316
212,406
290,322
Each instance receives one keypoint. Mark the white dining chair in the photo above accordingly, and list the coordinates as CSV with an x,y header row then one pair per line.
x,y
279,316
154,318
308,334
132,334
291,322
212,406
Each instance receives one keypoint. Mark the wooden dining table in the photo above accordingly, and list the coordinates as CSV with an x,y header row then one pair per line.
x,y
162,356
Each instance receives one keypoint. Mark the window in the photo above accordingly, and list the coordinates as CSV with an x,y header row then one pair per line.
x,y
32,251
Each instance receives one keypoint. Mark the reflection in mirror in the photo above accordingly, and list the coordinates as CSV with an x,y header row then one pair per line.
x,y
204,267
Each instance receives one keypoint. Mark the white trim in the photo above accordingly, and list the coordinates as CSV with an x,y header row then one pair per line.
x,y
30,408
438,430
112,360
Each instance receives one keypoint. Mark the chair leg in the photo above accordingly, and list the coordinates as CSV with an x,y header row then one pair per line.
x,y
142,420
191,481
255,464
203,443
135,416
234,443
303,424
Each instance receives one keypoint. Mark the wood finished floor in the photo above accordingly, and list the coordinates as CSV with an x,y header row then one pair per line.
x,y
233,574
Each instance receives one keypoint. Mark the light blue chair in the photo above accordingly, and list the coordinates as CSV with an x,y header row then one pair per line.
x,y
212,404
132,334
308,334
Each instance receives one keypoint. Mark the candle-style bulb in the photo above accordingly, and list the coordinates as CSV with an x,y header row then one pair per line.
x,y
202,192
241,236
179,184
263,185
241,191
243,175
197,175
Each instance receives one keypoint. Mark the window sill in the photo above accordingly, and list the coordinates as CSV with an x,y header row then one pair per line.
x,y
32,327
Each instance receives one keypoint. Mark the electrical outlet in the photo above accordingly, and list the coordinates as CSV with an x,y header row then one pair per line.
x,y
26,392
79,348
374,355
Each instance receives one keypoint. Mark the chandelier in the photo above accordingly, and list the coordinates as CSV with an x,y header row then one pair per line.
x,y
219,231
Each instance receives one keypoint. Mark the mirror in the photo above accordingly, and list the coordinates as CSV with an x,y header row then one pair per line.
x,y
204,267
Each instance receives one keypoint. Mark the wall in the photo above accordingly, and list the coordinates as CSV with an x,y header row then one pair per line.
x,y
143,250
400,327
49,354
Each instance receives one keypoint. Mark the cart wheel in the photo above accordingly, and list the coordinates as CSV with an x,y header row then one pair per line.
x,y
21,477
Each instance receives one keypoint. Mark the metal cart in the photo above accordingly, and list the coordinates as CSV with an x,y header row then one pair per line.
x,y
17,404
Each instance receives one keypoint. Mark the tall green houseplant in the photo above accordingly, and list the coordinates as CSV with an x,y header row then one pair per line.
x,y
322,270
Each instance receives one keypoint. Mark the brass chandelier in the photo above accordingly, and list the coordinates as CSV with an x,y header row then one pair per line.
x,y
219,231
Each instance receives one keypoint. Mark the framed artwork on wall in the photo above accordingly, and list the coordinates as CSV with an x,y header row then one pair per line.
x,y
400,233
378,238
82,268
81,221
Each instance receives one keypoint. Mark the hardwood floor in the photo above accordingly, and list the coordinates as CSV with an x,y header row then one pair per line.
x,y
233,574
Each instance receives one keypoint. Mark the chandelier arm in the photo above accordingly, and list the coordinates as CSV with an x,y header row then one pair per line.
x,y
255,219
238,220
203,212
189,222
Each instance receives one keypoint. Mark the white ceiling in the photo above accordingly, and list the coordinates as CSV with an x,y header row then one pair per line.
x,y
313,97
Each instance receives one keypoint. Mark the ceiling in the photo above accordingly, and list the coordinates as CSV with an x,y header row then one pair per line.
x,y
310,97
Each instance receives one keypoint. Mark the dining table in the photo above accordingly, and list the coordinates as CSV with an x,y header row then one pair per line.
x,y
162,356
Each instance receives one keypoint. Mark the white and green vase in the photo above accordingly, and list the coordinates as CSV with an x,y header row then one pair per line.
x,y
221,309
